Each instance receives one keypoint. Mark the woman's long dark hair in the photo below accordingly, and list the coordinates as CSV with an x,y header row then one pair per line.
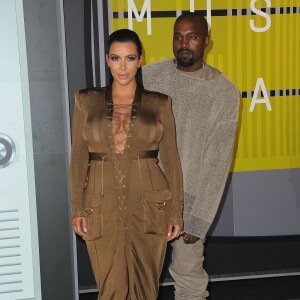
x,y
124,36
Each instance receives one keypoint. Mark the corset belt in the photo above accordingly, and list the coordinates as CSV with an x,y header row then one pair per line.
x,y
139,155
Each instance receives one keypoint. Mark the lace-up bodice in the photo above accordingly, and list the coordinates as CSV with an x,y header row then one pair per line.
x,y
120,125
121,115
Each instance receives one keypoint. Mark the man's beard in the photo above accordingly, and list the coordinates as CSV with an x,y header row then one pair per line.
x,y
186,61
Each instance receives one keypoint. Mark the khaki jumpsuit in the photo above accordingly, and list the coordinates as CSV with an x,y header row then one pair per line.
x,y
127,199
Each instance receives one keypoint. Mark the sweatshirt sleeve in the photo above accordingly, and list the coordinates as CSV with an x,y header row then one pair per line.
x,y
79,161
215,167
171,164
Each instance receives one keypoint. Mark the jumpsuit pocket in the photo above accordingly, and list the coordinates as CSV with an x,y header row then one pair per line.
x,y
156,211
94,217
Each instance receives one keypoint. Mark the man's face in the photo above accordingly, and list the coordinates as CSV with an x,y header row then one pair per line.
x,y
189,43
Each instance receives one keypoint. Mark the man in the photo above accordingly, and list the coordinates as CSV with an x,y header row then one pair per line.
x,y
205,105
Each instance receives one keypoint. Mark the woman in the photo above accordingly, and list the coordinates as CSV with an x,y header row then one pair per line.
x,y
123,205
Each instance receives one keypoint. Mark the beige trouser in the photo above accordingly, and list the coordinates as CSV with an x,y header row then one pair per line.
x,y
187,270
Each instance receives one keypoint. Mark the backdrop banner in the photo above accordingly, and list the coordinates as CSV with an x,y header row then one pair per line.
x,y
256,44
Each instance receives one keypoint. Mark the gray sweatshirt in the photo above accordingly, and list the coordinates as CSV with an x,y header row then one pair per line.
x,y
206,112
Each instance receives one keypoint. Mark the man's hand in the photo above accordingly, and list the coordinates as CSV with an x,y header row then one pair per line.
x,y
189,238
79,225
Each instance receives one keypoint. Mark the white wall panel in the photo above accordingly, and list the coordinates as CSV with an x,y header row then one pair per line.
x,y
19,262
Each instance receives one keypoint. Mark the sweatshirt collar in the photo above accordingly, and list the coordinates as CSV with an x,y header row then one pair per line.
x,y
205,73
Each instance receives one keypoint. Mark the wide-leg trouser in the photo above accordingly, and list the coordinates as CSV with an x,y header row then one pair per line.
x,y
187,270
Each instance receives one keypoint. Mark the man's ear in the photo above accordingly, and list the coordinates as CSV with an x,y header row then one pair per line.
x,y
207,40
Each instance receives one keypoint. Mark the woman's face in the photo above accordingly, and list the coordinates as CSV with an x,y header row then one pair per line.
x,y
123,61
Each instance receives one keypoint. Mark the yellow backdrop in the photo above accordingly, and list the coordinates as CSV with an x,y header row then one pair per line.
x,y
263,57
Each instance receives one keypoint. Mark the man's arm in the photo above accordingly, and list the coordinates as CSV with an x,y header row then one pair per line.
x,y
215,166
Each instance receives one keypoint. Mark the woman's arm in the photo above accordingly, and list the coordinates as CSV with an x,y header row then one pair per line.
x,y
78,168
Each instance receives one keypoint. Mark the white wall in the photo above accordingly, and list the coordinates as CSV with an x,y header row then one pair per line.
x,y
19,259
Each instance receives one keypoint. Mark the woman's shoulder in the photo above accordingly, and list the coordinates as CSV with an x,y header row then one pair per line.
x,y
163,100
91,93
94,90
89,98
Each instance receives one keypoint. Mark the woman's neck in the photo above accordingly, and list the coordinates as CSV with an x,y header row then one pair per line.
x,y
123,94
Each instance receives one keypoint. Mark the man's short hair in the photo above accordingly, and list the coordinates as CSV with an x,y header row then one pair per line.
x,y
197,18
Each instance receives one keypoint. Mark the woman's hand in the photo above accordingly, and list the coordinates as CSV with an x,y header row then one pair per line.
x,y
173,231
79,225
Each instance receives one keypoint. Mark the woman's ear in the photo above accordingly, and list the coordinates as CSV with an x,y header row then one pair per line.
x,y
107,59
140,61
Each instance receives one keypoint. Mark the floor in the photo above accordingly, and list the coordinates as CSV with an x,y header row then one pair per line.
x,y
282,288
277,288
